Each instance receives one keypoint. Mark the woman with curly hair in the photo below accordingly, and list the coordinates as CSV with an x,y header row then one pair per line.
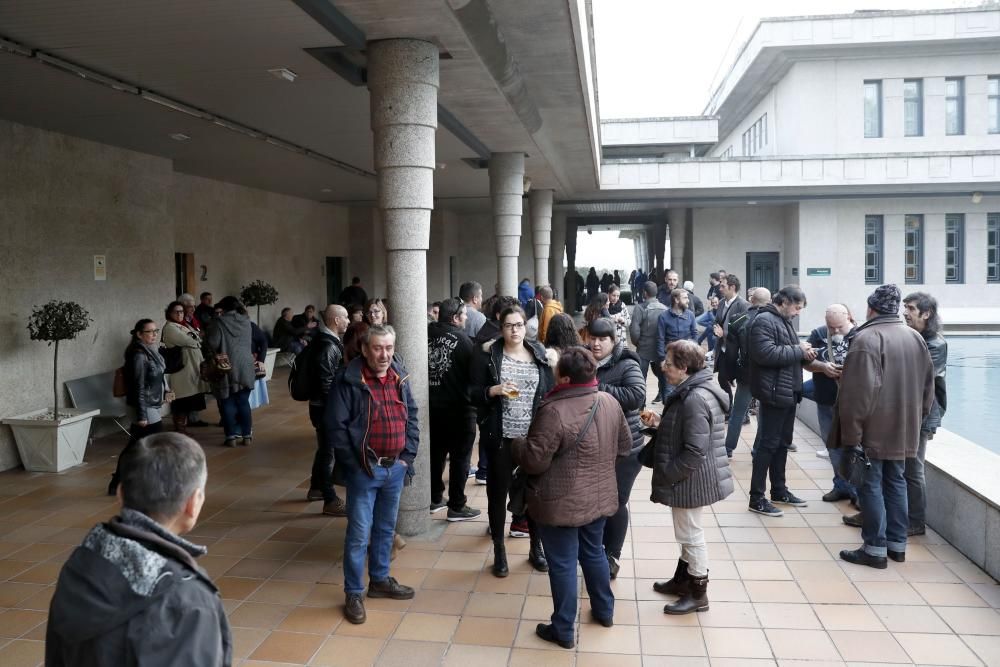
x,y
597,308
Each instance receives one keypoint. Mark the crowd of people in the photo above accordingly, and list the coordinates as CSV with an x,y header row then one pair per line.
x,y
564,426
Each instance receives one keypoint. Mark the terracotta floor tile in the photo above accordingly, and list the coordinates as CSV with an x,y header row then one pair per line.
x,y
825,592
674,641
12,593
22,653
963,620
236,588
601,659
774,591
801,645
245,640
784,615
868,646
439,602
404,653
282,592
547,657
936,649
258,615
496,605
826,570
11,568
16,622
802,552
900,618
486,631
729,615
302,571
889,592
513,584
619,639
948,595
254,568
380,625
451,580
461,655
736,643
39,599
314,620
987,648
40,552
764,570
292,647
340,651
426,627
651,614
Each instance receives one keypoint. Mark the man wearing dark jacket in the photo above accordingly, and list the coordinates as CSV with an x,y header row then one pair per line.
x,y
453,419
737,364
371,421
325,356
776,360
132,594
619,374
731,308
354,294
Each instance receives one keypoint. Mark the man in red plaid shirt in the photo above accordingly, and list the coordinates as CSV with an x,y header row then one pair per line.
x,y
371,420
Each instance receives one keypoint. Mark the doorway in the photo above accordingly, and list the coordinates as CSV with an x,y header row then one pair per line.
x,y
334,279
183,273
762,270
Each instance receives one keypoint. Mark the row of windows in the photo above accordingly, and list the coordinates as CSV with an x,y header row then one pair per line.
x,y
913,106
913,248
755,137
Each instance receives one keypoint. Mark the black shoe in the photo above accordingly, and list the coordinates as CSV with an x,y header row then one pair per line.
x,y
390,588
792,447
113,485
696,599
463,514
729,453
897,556
354,609
544,631
336,507
438,506
835,495
314,494
862,557
678,585
746,420
763,506
536,556
613,566
855,504
852,520
500,568
606,622
916,530
657,400
789,499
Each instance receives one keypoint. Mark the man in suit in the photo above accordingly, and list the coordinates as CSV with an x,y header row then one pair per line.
x,y
732,306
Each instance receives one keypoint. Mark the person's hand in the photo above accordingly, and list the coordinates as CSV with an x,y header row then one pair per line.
x,y
807,351
312,325
649,418
403,463
495,391
832,370
169,397
142,424
717,330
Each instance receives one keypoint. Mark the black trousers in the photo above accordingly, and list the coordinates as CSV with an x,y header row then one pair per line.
x,y
136,433
774,431
499,472
453,432
322,470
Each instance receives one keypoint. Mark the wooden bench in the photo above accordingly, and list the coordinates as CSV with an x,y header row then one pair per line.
x,y
94,392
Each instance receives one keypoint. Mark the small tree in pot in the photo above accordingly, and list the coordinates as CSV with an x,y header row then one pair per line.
x,y
258,293
57,321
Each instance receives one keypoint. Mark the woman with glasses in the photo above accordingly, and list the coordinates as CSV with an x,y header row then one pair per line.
x,y
375,313
145,387
230,334
620,315
509,379
187,385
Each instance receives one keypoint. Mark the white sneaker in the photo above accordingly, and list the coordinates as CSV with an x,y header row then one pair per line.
x,y
823,453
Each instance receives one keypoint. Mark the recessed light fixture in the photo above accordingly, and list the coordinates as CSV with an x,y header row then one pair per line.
x,y
283,73
751,203
179,136
327,190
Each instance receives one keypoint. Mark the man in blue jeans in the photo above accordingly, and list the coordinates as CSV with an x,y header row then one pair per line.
x,y
886,391
372,423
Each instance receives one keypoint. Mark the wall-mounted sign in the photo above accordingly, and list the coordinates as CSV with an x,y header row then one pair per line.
x,y
100,267
819,271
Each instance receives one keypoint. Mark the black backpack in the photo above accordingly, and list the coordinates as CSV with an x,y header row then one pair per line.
x,y
300,377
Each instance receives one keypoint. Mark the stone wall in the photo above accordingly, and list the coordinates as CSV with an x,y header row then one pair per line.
x,y
64,200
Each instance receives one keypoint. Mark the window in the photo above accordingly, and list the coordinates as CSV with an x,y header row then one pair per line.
x,y
873,109
954,248
755,138
993,93
913,252
728,153
954,106
993,248
873,249
913,107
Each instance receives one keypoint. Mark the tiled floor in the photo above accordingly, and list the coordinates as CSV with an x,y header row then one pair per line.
x,y
779,595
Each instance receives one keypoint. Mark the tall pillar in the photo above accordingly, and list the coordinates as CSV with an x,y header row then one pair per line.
x,y
403,82
569,298
506,191
659,243
557,272
677,220
540,208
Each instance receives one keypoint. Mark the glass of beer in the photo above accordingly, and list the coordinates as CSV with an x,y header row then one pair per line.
x,y
511,390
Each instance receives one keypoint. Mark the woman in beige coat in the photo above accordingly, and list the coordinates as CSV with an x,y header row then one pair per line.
x,y
186,384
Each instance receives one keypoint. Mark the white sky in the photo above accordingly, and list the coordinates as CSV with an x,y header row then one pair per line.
x,y
663,58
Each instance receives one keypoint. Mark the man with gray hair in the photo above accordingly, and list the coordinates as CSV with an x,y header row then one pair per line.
x,y
472,294
132,594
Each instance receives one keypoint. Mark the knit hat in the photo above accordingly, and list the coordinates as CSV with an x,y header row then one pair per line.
x,y
602,327
885,299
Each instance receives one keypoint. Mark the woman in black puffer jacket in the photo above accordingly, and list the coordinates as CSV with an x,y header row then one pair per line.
x,y
618,374
690,467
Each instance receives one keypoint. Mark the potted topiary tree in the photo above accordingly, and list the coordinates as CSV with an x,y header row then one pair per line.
x,y
258,293
51,440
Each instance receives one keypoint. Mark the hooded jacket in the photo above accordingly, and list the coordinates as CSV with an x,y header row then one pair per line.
x,y
622,378
775,359
449,362
230,334
132,594
349,416
548,311
690,467
644,329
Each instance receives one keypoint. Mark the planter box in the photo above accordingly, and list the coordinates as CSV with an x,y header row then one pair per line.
x,y
51,446
272,356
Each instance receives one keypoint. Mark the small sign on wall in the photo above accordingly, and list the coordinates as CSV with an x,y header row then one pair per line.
x,y
819,271
100,267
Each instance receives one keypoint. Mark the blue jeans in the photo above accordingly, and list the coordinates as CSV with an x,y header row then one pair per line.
x,y
236,419
563,548
884,516
616,527
653,365
824,415
707,320
741,403
372,506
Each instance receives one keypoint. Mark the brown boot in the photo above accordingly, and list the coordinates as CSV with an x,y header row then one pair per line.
x,y
180,423
398,544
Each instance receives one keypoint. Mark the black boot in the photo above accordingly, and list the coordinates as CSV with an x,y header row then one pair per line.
x,y
500,561
679,585
113,484
696,599
536,555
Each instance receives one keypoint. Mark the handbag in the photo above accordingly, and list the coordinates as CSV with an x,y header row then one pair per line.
x,y
173,358
853,465
215,367
517,504
118,387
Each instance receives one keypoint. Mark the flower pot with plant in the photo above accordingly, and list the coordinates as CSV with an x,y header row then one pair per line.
x,y
258,293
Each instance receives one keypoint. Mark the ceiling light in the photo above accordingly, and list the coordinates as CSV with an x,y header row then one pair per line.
x,y
179,136
284,74
15,48
977,197
85,73
286,145
176,106
327,190
527,184
236,127
751,203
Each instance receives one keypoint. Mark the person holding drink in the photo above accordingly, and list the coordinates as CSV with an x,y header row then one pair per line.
x,y
509,378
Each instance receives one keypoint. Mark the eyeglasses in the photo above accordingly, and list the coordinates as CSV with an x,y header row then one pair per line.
x,y
514,327
374,312
177,310
151,331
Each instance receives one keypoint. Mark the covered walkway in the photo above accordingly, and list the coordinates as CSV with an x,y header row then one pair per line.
x,y
778,593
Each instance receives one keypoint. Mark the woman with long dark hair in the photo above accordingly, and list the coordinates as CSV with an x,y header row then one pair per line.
x,y
230,334
619,314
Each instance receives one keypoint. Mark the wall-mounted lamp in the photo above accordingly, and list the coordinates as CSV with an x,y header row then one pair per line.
x,y
977,197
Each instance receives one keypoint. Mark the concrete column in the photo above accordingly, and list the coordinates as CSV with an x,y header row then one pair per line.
x,y
678,240
659,244
569,298
506,191
403,82
557,272
540,208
